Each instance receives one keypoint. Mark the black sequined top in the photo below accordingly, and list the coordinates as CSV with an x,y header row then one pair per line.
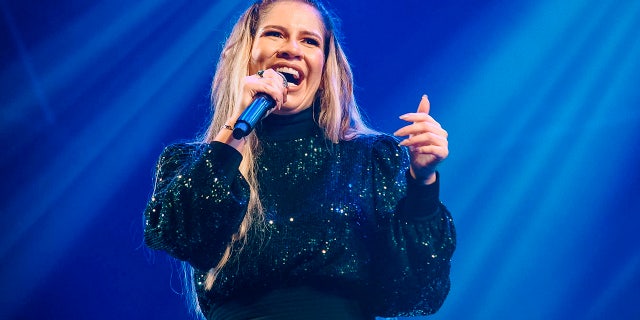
x,y
345,218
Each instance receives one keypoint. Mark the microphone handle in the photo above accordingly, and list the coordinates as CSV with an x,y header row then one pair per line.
x,y
257,110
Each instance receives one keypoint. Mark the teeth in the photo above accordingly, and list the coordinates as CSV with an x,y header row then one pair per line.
x,y
291,71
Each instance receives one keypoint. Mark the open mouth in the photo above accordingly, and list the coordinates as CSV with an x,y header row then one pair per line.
x,y
292,75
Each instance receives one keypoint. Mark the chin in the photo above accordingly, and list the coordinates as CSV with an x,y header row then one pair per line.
x,y
299,101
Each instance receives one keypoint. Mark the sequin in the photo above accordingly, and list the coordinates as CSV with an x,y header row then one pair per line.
x,y
339,217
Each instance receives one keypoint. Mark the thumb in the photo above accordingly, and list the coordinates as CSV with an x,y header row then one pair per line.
x,y
424,105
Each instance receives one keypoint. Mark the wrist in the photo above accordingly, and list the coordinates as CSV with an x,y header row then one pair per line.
x,y
425,178
225,135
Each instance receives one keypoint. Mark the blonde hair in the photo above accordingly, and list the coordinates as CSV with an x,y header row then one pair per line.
x,y
339,116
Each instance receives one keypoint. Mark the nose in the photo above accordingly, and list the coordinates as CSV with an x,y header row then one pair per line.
x,y
290,50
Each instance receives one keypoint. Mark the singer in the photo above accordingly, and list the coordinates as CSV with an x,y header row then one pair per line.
x,y
312,214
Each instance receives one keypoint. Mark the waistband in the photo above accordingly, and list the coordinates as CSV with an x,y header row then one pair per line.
x,y
291,303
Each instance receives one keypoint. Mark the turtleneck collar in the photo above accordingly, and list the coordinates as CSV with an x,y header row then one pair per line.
x,y
291,126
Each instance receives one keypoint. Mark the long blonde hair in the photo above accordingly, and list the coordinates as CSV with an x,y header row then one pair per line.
x,y
339,116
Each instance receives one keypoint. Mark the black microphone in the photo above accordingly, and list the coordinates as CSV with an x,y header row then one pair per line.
x,y
257,110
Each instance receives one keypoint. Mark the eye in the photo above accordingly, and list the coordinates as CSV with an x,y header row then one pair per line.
x,y
272,33
312,42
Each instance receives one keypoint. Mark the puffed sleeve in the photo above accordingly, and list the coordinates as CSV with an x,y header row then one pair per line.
x,y
415,237
198,202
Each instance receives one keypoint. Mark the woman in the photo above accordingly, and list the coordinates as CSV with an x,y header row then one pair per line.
x,y
313,215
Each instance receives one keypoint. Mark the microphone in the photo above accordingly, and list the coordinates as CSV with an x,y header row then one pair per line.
x,y
257,110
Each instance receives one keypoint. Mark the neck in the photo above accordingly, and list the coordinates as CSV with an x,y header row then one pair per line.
x,y
291,126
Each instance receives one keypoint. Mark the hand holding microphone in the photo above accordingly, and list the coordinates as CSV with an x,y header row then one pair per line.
x,y
261,104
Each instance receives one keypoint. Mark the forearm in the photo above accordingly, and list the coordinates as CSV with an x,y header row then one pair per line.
x,y
412,262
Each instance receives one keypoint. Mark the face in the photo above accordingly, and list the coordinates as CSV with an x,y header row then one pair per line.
x,y
290,40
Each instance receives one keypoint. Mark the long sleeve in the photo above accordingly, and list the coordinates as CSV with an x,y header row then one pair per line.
x,y
198,202
415,237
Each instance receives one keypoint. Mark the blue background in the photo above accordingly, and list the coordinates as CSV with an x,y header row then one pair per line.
x,y
541,100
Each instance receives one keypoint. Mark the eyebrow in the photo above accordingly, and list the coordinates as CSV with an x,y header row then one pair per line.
x,y
304,32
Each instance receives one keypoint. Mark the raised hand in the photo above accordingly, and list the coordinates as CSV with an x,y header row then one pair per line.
x,y
427,142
